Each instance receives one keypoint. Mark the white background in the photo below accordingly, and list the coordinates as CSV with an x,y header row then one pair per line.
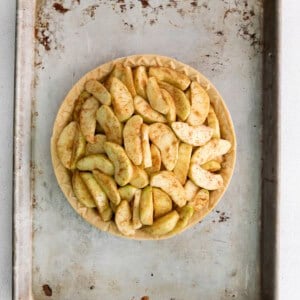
x,y
289,212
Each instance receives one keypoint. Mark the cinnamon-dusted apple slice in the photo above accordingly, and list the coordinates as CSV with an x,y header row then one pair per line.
x,y
110,124
205,179
181,102
96,161
163,137
162,202
171,76
213,123
133,140
148,114
156,160
192,135
147,159
146,206
199,104
171,115
87,118
127,192
140,79
81,191
139,177
210,151
124,74
200,200
99,91
212,166
98,195
183,163
155,97
190,189
169,183
164,224
108,186
123,218
185,214
123,167
98,146
122,100
136,218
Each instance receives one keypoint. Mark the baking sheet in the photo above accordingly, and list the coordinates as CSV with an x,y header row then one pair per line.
x,y
66,257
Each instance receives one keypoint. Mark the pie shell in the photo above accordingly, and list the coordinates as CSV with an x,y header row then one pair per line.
x,y
64,116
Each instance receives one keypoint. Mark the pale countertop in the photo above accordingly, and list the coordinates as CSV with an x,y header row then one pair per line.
x,y
289,208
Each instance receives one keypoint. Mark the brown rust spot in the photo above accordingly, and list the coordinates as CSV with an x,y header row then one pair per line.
x,y
194,3
145,298
144,3
47,290
58,7
91,10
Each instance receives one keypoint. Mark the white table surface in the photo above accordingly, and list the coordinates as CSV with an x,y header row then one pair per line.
x,y
289,208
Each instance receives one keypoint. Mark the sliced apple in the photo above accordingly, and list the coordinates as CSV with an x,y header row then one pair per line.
x,y
98,146
162,203
98,195
170,184
123,218
147,158
164,224
121,162
81,191
185,214
133,140
205,179
127,192
164,138
212,166
192,135
110,124
171,76
139,177
155,97
78,103
96,161
190,189
88,118
148,114
171,115
146,206
181,102
99,91
121,100
210,151
200,200
79,147
140,79
65,144
200,105
156,160
136,219
108,185
183,163
124,74
213,123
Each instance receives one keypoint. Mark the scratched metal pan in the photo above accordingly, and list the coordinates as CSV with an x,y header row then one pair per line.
x,y
231,253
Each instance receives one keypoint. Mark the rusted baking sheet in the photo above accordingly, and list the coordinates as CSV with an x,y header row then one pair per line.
x,y
57,254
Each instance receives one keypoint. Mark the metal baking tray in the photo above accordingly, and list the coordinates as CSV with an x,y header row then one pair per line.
x,y
231,253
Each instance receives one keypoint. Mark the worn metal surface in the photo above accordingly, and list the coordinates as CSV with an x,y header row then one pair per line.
x,y
217,259
7,58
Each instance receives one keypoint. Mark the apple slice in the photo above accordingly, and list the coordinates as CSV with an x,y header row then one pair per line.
x,y
192,135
